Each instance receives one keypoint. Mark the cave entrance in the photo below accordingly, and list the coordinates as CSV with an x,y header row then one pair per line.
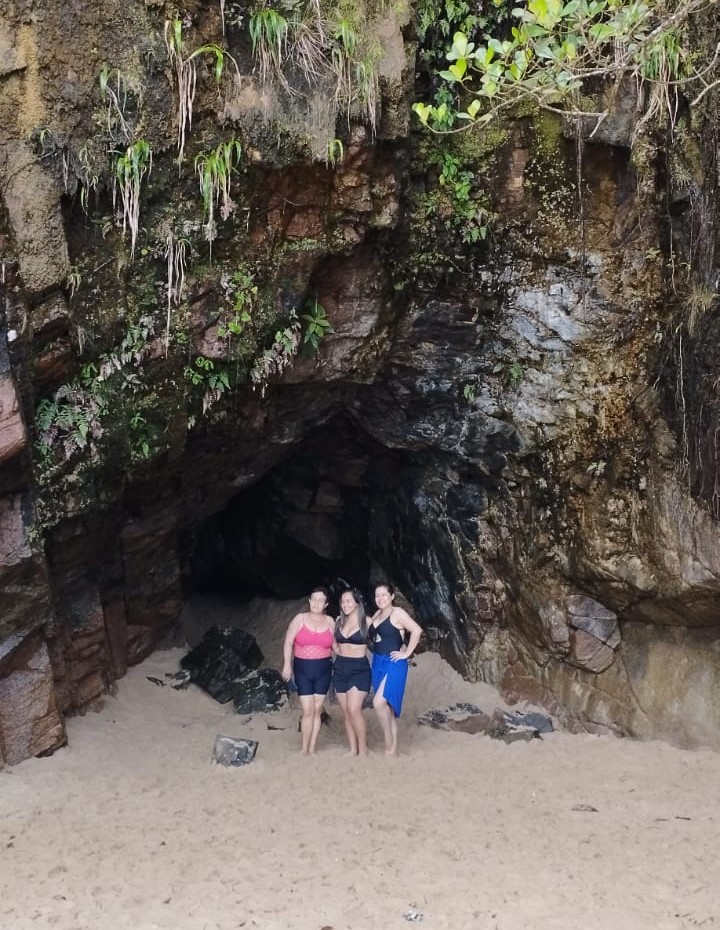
x,y
309,521
342,508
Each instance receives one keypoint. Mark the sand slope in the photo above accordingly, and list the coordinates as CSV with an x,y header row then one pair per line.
x,y
132,827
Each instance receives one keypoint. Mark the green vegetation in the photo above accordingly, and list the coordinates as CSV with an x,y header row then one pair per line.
x,y
327,44
78,417
130,169
317,324
114,91
213,381
74,280
557,51
88,175
450,215
215,170
437,22
184,66
176,250
268,32
468,212
274,360
242,294
335,153
72,417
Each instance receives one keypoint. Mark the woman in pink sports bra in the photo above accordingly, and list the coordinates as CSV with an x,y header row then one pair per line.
x,y
307,656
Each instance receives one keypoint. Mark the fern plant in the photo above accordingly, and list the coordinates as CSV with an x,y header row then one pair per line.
x,y
278,357
176,256
130,169
114,91
214,170
323,43
185,69
269,33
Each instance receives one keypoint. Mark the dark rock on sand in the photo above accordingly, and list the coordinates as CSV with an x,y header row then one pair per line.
x,y
507,726
222,658
256,692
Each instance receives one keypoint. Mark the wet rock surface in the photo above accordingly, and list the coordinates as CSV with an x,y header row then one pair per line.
x,y
221,660
259,691
488,424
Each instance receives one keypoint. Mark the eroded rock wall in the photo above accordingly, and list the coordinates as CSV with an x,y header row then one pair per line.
x,y
495,357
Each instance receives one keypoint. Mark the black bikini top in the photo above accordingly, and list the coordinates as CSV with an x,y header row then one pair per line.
x,y
355,639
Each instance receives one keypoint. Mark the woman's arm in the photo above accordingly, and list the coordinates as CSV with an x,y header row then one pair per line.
x,y
288,647
403,620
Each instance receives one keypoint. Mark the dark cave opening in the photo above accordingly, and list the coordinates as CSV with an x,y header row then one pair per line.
x,y
306,522
342,507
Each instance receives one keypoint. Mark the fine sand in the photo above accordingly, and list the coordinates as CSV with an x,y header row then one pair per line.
x,y
132,827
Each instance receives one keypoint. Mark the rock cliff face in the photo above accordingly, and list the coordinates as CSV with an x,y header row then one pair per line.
x,y
500,419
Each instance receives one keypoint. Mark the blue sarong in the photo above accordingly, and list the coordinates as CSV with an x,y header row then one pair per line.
x,y
395,675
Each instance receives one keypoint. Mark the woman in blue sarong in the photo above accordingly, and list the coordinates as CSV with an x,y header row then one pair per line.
x,y
387,631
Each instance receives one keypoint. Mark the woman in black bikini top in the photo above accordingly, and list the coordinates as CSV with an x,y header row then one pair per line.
x,y
388,629
351,673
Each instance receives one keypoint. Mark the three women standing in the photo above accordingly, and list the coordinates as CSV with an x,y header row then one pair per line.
x,y
307,656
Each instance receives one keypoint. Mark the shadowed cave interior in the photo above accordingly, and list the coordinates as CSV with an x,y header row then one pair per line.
x,y
339,507
304,523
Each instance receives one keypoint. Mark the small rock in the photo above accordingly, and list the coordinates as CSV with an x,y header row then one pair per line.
x,y
234,752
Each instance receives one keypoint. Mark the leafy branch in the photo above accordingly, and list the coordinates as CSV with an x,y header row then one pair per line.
x,y
557,48
317,324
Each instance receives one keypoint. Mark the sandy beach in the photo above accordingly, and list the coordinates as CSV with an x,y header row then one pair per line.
x,y
131,826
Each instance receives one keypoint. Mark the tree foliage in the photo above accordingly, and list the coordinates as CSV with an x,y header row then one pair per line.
x,y
557,52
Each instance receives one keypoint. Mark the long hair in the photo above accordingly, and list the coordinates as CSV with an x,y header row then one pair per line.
x,y
362,614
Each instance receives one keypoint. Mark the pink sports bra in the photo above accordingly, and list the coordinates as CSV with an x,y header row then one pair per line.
x,y
311,645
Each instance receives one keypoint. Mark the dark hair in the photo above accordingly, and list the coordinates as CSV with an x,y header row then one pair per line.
x,y
385,584
320,590
362,615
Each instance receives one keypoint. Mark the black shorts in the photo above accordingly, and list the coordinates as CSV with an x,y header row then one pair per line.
x,y
312,676
351,673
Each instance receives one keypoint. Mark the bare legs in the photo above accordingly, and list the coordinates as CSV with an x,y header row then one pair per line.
x,y
312,705
351,703
388,720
